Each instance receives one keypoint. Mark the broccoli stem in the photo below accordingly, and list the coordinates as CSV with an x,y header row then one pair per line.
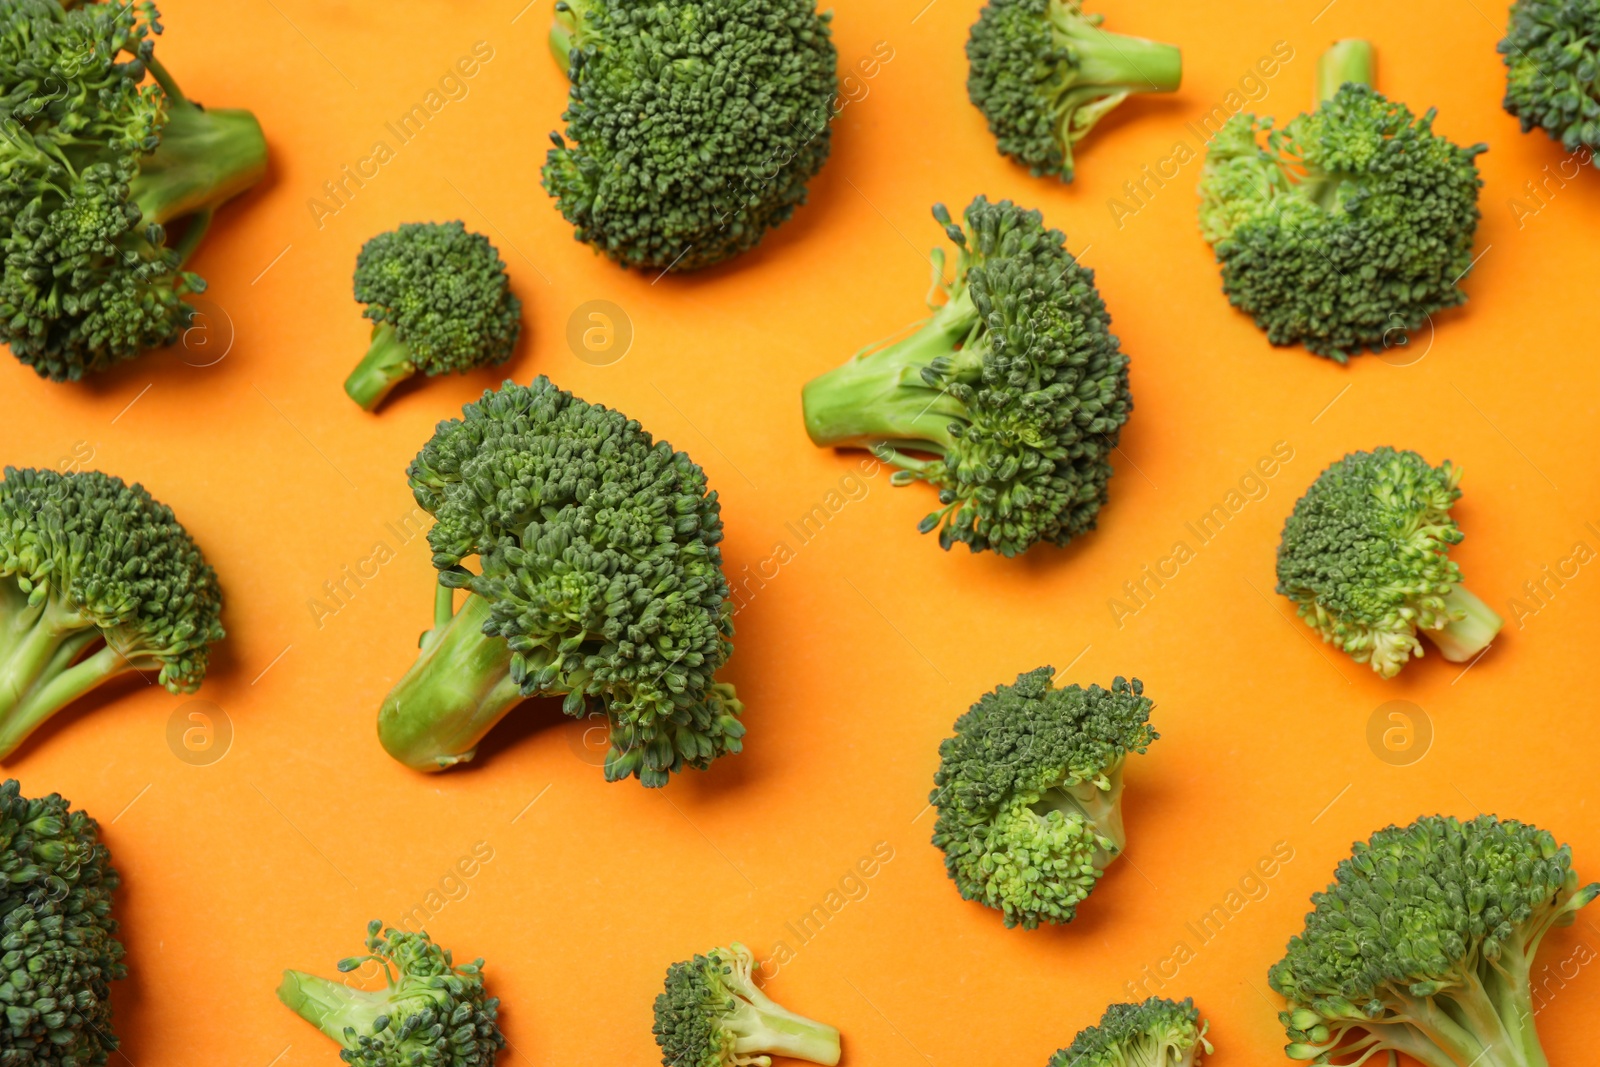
x,y
1350,60
561,35
39,669
766,1027
204,159
1461,639
454,694
1108,63
387,363
1102,807
332,1006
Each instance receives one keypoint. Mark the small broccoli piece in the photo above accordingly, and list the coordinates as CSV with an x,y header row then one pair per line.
x,y
1043,73
1352,226
1029,792
1365,556
1424,943
98,166
599,579
440,303
695,124
1016,388
1157,1033
1552,57
97,579
59,951
712,1014
430,1013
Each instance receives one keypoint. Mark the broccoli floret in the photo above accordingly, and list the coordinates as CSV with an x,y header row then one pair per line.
x,y
1424,943
440,303
97,579
1552,57
1157,1033
430,1013
1016,389
599,579
711,1014
59,951
1043,73
695,124
1029,793
1365,556
98,166
1354,223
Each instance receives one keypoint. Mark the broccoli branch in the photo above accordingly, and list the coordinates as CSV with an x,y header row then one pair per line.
x,y
1347,61
1107,68
761,1025
1472,626
388,362
333,1007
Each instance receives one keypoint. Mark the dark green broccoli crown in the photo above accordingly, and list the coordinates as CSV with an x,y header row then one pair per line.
x,y
58,946
693,1009
1159,1033
694,125
1349,229
1552,57
445,292
598,552
1365,554
84,284
111,556
1027,788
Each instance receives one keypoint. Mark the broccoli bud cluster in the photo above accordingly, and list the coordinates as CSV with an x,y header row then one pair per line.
x,y
1157,1033
711,1013
1552,58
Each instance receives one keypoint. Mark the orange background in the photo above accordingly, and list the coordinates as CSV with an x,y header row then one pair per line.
x,y
855,659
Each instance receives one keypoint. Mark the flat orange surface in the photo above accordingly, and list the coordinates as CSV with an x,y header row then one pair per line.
x,y
855,654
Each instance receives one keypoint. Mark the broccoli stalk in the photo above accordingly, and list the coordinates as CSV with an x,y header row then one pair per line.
x,y
1156,1033
1347,62
711,1013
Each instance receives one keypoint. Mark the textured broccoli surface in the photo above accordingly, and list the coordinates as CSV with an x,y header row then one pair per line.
x,y
694,125
98,164
599,579
711,1014
1365,557
1029,793
1157,1033
440,303
1350,226
430,1013
1424,943
1552,57
1016,390
1043,73
97,579
58,942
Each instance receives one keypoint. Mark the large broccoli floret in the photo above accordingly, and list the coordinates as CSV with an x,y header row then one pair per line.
x,y
59,951
1029,792
1043,73
1365,556
1157,1033
1353,224
1552,57
599,579
97,579
712,1014
440,303
1016,390
431,1013
694,124
1424,943
95,166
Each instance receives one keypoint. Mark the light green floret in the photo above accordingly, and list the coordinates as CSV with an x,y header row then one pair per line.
x,y
1157,1033
712,1014
1365,556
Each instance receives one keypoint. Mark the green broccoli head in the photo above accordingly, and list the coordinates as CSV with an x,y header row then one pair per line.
x,y
1043,73
712,1014
599,579
97,578
1365,557
58,946
1157,1033
1016,389
694,125
440,303
1029,793
1552,57
1424,943
1350,227
431,1013
98,165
